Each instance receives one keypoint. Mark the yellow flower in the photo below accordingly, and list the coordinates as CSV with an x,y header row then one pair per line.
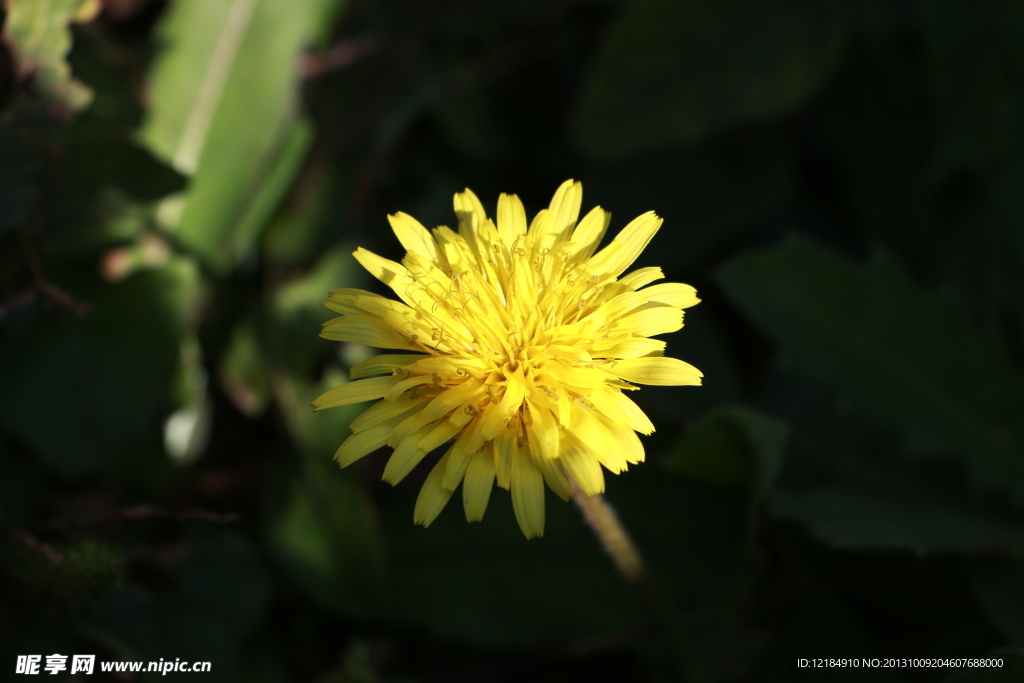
x,y
525,340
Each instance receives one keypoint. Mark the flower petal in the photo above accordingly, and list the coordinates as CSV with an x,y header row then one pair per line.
x,y
636,419
504,454
632,348
565,209
511,218
404,385
407,455
442,432
626,246
641,277
452,398
343,300
658,319
542,432
672,293
660,371
527,494
555,477
462,451
382,411
382,363
617,408
364,442
583,468
496,416
358,445
477,485
410,424
596,435
413,236
589,232
394,275
432,497
471,215
355,392
365,329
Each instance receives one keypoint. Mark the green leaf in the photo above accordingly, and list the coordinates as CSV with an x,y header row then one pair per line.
x,y
39,32
485,584
103,156
729,459
854,514
231,584
295,347
453,577
729,186
225,111
18,193
328,539
733,446
80,392
70,587
670,72
243,371
883,152
898,356
845,480
187,429
974,60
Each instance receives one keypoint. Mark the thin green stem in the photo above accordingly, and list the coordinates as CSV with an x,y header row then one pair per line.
x,y
613,536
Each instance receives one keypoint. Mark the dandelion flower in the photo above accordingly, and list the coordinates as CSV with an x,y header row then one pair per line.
x,y
518,345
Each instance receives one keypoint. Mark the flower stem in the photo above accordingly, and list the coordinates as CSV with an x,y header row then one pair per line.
x,y
616,541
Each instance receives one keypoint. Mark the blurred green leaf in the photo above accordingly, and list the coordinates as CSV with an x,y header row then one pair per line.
x,y
69,584
224,110
729,459
98,155
187,429
295,348
79,392
901,357
244,374
473,127
974,62
877,507
484,584
845,480
276,183
17,193
732,446
712,194
233,586
670,72
329,542
871,118
291,237
191,634
39,32
300,300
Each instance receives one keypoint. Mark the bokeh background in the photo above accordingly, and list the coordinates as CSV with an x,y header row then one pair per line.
x,y
843,181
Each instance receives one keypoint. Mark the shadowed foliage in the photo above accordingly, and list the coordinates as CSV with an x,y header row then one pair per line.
x,y
182,181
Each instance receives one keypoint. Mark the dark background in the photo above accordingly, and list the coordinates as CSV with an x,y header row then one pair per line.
x,y
841,180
